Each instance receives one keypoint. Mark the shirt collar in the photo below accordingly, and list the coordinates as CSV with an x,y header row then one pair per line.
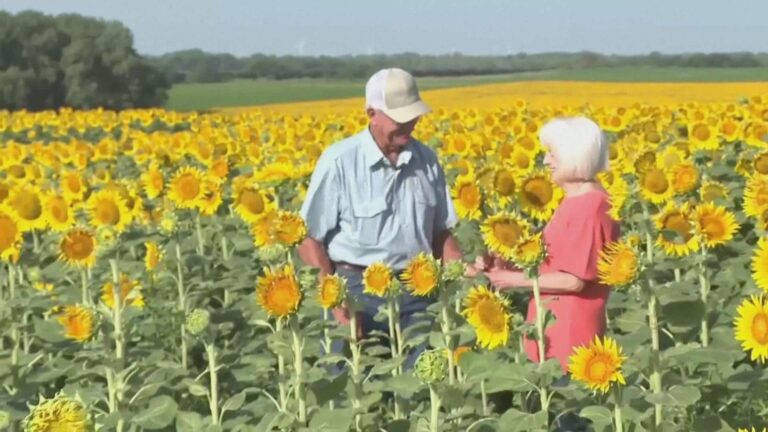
x,y
373,154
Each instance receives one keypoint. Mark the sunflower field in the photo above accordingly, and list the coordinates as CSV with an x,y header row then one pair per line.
x,y
150,279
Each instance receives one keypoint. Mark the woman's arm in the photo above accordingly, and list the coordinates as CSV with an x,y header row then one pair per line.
x,y
551,283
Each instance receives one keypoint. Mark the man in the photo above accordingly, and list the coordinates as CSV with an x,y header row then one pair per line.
x,y
379,195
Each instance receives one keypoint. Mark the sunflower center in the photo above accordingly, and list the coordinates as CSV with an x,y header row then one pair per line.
x,y
59,210
469,195
527,142
713,226
729,128
4,189
760,328
599,369
655,181
761,163
282,296
507,233
28,206
188,187
17,171
252,201
679,224
701,132
522,160
108,212
538,192
8,232
505,184
78,246
491,316
73,184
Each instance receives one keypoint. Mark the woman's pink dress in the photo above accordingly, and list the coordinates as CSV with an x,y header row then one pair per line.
x,y
577,232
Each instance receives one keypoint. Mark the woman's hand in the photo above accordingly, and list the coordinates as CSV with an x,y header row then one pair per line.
x,y
503,279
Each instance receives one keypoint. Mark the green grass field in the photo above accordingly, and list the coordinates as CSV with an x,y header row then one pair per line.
x,y
185,97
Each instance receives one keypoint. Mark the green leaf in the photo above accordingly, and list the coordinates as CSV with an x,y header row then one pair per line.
x,y
514,420
196,389
235,402
684,313
49,330
187,421
338,420
680,396
160,413
599,415
403,385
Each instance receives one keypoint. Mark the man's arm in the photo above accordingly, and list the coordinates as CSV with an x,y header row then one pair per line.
x,y
313,253
446,247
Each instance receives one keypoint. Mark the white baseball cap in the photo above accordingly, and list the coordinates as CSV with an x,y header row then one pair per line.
x,y
393,91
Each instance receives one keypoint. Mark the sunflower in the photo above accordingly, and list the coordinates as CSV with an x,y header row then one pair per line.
x,y
643,162
488,313
502,231
529,252
618,264
753,430
676,230
107,207
715,224
73,186
760,263
331,291
656,186
278,227
756,134
153,256
685,177
731,130
703,137
377,279
77,321
760,163
58,212
211,199
618,193
597,365
62,413
539,196
504,186
755,196
278,292
186,187
10,237
751,327
522,160
250,202
78,247
153,181
467,198
26,203
421,275
130,292
712,190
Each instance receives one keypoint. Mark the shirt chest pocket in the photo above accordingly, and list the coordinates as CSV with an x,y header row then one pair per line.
x,y
369,219
425,203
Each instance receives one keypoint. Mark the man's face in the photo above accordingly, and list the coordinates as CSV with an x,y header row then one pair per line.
x,y
389,134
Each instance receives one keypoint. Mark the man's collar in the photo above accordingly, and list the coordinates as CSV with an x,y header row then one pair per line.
x,y
373,154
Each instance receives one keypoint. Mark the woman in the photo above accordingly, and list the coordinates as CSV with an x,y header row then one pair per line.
x,y
578,231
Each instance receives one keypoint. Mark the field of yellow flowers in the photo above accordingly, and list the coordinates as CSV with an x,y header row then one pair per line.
x,y
149,277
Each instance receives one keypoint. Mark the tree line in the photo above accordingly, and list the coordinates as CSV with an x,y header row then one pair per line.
x,y
47,62
199,66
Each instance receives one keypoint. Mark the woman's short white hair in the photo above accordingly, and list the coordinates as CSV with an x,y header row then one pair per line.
x,y
579,145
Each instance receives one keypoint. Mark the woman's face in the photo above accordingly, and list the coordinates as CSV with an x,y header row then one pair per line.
x,y
552,162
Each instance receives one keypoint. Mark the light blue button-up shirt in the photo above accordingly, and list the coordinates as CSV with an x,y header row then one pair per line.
x,y
365,210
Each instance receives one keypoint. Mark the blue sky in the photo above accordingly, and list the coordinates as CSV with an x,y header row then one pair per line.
x,y
334,27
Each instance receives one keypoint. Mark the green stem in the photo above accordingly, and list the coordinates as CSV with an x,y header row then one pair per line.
x,y
704,292
298,366
543,391
354,346
327,346
393,318
653,323
483,397
181,305
434,401
199,232
35,242
117,314
445,326
213,375
14,327
617,415
84,293
281,372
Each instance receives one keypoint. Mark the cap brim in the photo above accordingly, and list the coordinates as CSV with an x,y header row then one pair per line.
x,y
408,113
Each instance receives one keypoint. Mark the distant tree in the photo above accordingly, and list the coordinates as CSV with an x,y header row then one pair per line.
x,y
69,60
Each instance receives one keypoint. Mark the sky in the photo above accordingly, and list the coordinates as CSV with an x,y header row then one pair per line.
x,y
482,27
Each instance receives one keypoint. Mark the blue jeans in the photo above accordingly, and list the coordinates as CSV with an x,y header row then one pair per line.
x,y
368,306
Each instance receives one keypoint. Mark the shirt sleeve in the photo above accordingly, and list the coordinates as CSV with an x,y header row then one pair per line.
x,y
576,249
320,209
445,214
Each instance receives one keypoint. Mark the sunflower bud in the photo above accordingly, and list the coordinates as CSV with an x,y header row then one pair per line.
x,y
431,367
197,321
273,254
60,413
453,271
169,222
5,419
34,274
106,236
308,278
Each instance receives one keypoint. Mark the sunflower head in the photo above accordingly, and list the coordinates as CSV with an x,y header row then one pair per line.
x,y
760,264
62,413
431,367
467,197
422,275
539,196
502,232
331,290
598,365
78,322
278,292
278,227
10,237
78,248
186,187
130,293
618,264
153,256
487,312
197,321
714,224
378,280
656,186
676,230
530,252
107,207
751,327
